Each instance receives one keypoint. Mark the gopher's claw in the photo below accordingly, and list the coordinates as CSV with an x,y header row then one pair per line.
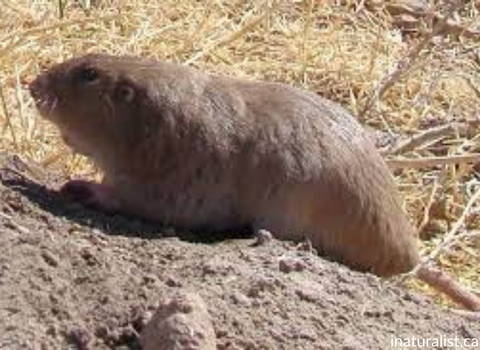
x,y
90,194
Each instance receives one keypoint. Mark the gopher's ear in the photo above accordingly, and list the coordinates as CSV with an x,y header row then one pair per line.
x,y
124,92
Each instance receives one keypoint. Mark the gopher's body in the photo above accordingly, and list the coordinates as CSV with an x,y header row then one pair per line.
x,y
200,151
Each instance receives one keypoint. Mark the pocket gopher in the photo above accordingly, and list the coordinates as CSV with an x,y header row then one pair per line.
x,y
200,151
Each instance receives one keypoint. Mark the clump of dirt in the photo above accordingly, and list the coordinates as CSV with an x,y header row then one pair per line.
x,y
74,277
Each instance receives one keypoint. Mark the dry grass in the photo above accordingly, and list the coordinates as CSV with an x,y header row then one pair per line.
x,y
324,46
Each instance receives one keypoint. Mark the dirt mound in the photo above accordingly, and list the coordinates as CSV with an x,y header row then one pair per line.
x,y
71,276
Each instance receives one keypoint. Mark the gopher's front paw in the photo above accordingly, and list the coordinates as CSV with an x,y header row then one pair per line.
x,y
90,194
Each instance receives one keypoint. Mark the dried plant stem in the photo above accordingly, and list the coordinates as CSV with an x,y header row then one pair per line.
x,y
61,7
21,38
426,211
433,161
405,65
306,29
450,238
228,38
472,85
8,123
421,138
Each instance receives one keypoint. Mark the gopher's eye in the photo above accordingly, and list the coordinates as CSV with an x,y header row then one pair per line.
x,y
88,75
125,92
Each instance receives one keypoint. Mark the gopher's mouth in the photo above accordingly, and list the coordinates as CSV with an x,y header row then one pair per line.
x,y
46,105
44,101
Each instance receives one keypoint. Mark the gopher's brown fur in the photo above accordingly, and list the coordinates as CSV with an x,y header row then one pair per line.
x,y
200,151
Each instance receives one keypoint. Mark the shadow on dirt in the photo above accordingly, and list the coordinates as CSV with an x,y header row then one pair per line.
x,y
14,175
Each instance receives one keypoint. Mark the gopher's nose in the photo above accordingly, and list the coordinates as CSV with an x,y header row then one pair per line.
x,y
37,86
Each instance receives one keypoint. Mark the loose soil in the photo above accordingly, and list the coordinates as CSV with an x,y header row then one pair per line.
x,y
73,278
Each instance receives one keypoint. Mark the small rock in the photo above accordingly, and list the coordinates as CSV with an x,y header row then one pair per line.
x,y
209,269
172,282
263,237
313,292
102,331
307,295
180,322
52,331
50,258
286,264
261,284
89,257
412,297
80,337
241,299
305,246
150,279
